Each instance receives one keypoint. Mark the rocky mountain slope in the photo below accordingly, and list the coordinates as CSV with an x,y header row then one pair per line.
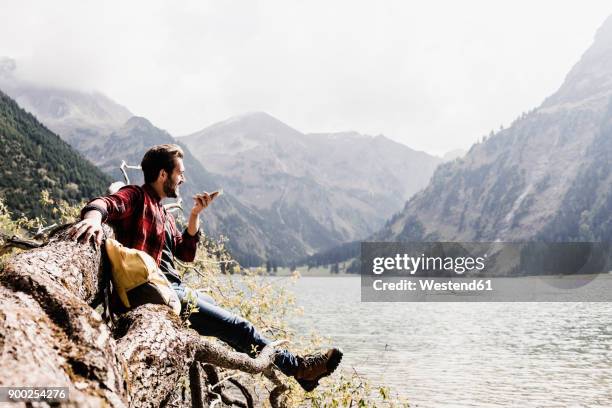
x,y
328,188
287,195
252,238
546,177
107,133
80,118
35,159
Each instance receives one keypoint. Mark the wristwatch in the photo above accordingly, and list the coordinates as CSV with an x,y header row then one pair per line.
x,y
93,207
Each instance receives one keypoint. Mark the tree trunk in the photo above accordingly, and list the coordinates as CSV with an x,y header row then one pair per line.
x,y
51,335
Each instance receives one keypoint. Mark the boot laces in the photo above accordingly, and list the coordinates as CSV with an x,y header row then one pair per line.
x,y
315,359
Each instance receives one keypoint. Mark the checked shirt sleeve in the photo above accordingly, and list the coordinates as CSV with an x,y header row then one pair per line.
x,y
121,205
185,245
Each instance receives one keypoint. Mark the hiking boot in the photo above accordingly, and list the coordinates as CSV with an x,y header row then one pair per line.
x,y
313,367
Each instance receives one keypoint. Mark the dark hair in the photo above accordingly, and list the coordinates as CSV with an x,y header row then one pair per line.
x,y
158,158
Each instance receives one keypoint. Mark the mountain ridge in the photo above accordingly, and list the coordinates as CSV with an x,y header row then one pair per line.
x,y
344,185
36,159
283,198
517,184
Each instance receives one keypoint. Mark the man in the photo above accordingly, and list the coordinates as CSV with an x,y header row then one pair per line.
x,y
141,222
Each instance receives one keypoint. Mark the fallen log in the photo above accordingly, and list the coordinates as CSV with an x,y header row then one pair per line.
x,y
52,336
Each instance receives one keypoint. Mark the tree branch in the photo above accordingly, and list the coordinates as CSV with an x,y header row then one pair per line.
x,y
49,334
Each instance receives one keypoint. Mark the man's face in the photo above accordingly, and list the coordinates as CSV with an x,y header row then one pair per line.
x,y
172,183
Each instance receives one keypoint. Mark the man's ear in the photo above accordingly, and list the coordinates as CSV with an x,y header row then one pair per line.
x,y
163,175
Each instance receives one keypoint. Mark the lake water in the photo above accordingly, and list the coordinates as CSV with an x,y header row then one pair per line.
x,y
467,354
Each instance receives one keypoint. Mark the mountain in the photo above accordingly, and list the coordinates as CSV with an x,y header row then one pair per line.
x,y
454,154
547,177
252,239
93,125
107,133
390,171
325,188
35,159
287,195
80,118
130,141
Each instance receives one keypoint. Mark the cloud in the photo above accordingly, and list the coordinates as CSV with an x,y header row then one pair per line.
x,y
434,75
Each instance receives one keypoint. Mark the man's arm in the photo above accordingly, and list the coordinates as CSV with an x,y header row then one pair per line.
x,y
91,223
194,223
186,243
108,208
200,202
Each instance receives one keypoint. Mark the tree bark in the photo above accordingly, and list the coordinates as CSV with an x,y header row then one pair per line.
x,y
51,335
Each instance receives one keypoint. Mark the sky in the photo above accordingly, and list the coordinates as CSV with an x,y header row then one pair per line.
x,y
434,75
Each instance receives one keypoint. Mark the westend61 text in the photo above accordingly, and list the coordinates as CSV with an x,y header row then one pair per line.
x,y
432,285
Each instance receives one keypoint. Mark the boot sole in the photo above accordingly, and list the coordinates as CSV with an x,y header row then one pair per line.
x,y
332,364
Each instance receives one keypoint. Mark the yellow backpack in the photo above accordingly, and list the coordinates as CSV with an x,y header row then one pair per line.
x,y
136,277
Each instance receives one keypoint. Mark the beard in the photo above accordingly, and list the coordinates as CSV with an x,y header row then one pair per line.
x,y
171,189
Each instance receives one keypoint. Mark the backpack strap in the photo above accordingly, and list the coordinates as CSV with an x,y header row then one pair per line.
x,y
107,314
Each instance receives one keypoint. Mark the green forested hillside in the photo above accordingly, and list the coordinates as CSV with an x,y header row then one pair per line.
x,y
32,159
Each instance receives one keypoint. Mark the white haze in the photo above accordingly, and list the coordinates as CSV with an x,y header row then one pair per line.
x,y
435,75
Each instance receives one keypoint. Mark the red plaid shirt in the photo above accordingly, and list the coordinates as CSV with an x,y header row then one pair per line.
x,y
138,218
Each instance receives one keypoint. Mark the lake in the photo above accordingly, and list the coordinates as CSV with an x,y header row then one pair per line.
x,y
467,354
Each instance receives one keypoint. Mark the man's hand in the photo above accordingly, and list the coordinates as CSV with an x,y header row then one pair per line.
x,y
87,228
201,201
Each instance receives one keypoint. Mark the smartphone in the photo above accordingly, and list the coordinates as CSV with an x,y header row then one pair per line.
x,y
214,194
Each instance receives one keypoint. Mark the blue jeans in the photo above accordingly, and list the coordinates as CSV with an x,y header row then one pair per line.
x,y
212,320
